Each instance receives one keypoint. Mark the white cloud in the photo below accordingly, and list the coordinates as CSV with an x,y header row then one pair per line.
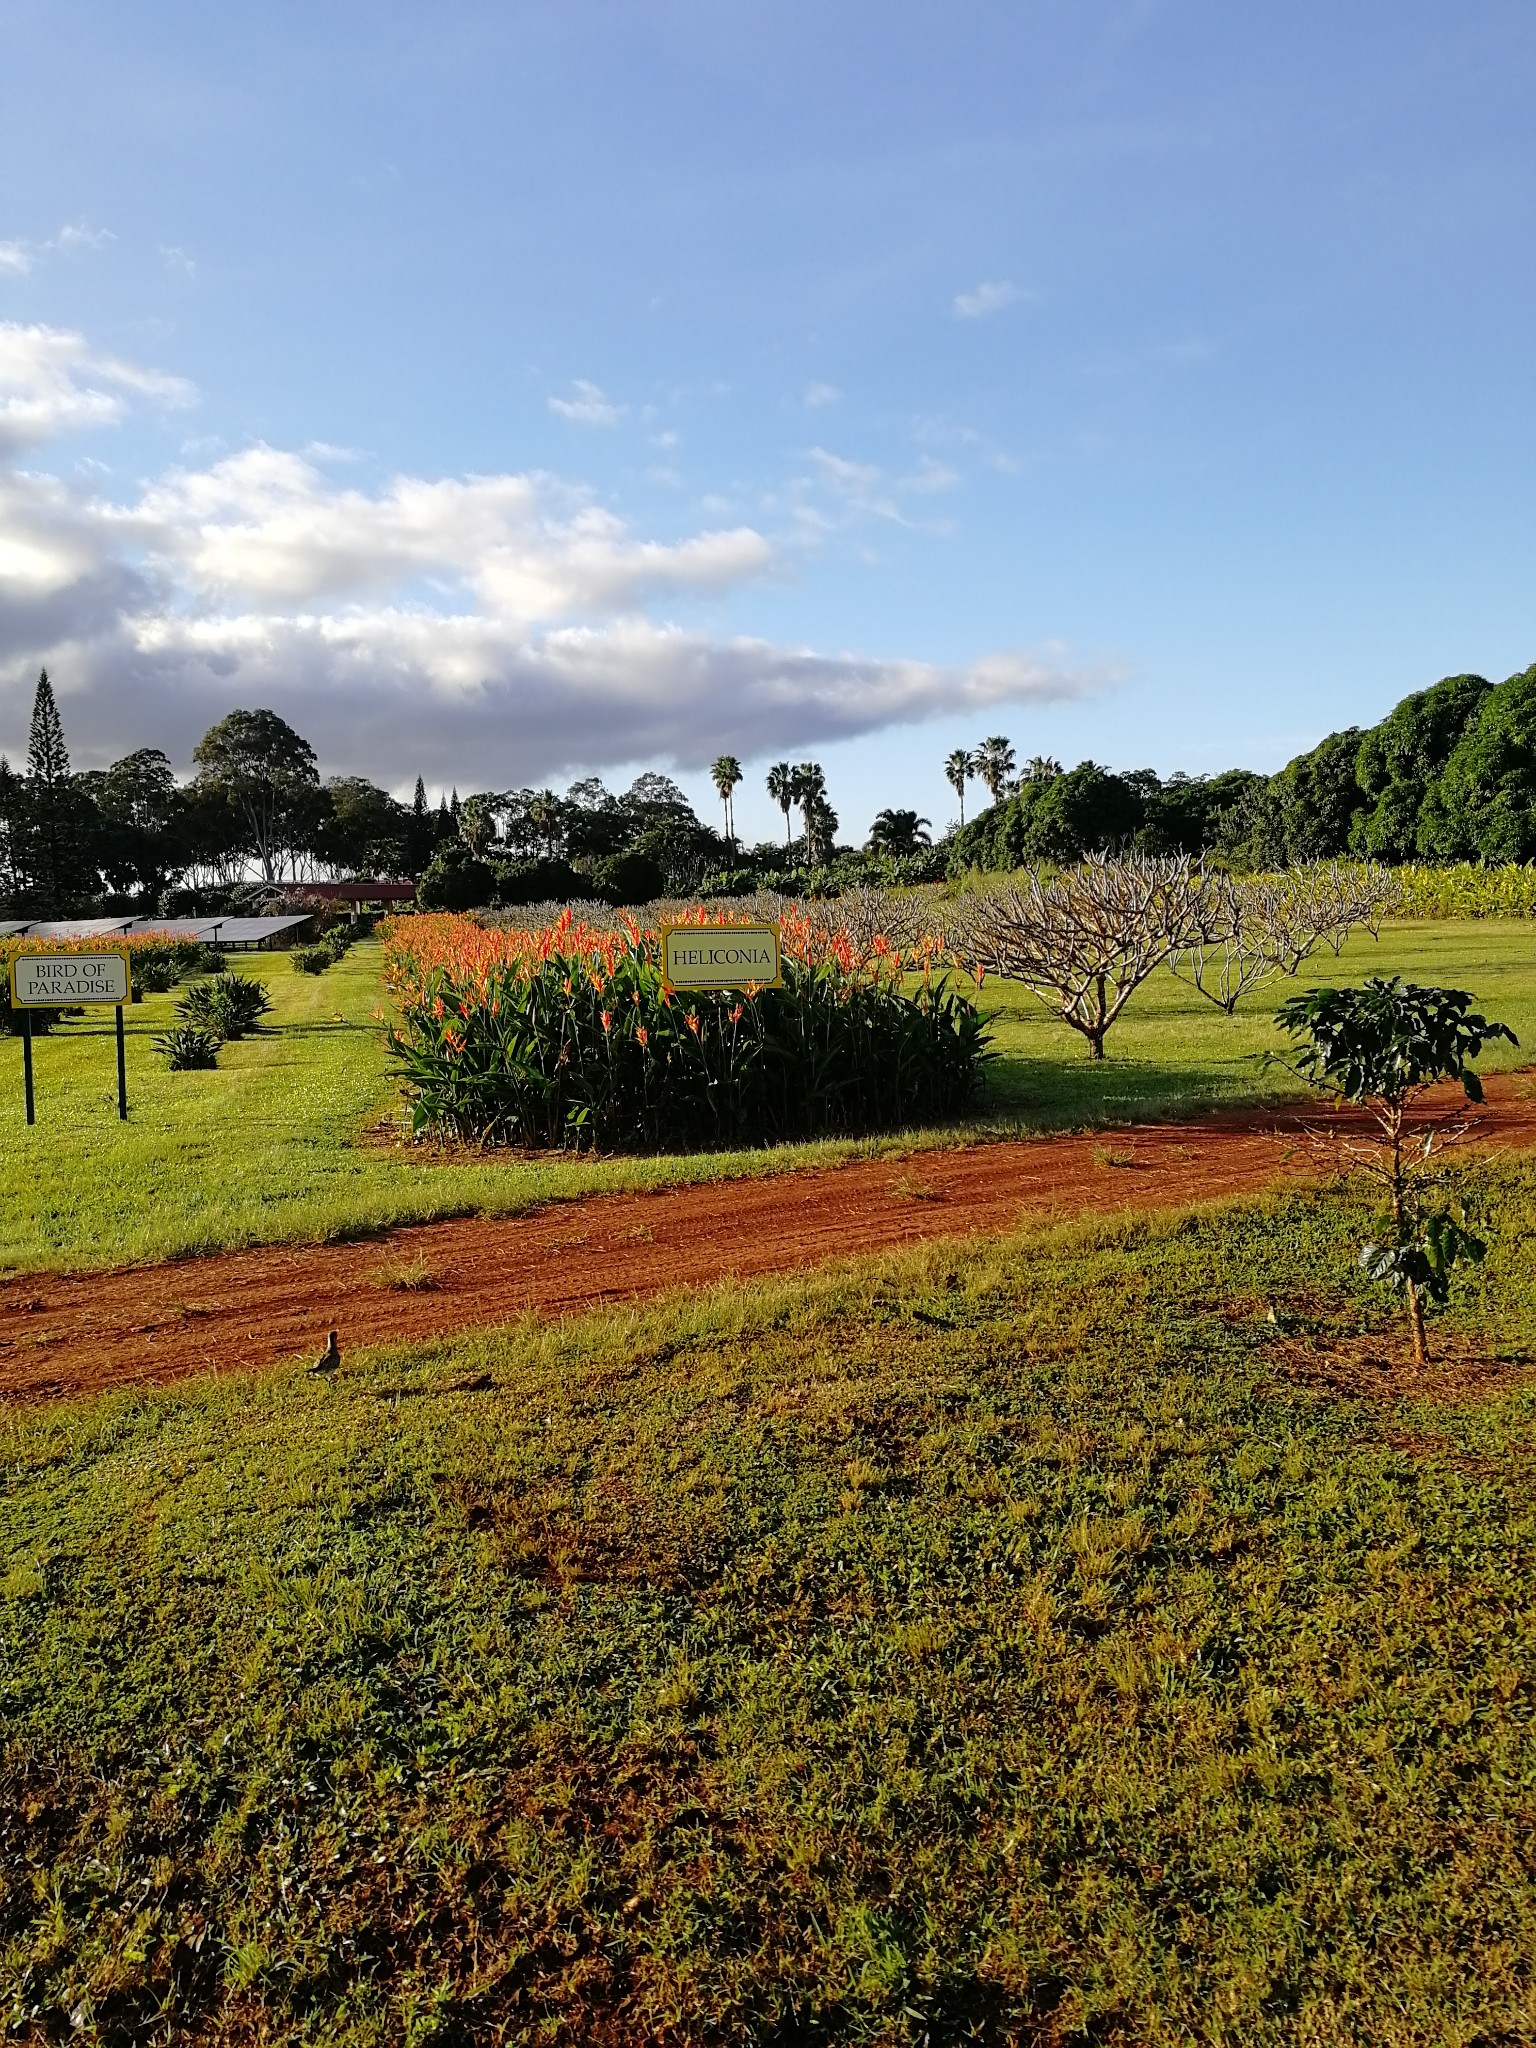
x,y
986,298
15,259
52,383
78,236
468,627
930,477
818,395
588,407
178,259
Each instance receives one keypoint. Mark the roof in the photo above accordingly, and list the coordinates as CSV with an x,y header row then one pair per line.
x,y
355,892
10,928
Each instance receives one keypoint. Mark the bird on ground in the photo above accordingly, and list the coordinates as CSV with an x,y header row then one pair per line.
x,y
329,1358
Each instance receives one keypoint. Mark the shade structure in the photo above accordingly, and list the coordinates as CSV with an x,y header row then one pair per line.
x,y
248,934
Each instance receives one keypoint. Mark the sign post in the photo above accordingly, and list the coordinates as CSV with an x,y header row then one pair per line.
x,y
70,981
721,956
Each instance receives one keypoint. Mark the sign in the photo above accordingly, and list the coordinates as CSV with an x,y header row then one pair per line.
x,y
69,981
66,981
721,956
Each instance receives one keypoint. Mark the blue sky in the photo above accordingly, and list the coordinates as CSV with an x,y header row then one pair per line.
x,y
508,392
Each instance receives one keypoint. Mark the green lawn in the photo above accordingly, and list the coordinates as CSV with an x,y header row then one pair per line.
x,y
267,1148
981,1645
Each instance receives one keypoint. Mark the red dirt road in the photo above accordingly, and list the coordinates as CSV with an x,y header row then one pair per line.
x,y
140,1327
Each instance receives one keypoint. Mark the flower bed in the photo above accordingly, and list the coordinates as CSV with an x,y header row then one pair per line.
x,y
567,1037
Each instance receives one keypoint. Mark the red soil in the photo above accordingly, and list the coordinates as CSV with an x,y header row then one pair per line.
x,y
137,1327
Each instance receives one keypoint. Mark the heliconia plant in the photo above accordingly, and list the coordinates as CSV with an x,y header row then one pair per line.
x,y
568,1037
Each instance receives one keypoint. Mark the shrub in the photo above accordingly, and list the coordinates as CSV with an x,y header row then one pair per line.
x,y
187,1047
1382,1046
567,1037
311,959
229,1005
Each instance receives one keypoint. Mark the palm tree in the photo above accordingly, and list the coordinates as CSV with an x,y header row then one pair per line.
x,y
1040,768
899,832
810,790
959,767
781,787
544,817
820,830
994,764
725,775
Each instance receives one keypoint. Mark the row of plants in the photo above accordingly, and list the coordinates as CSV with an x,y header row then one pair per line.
x,y
223,1007
567,1036
1466,889
332,945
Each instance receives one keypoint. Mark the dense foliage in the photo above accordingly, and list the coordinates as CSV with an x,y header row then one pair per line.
x,y
567,1036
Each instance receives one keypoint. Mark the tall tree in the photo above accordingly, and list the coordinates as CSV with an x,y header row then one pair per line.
x,y
1483,805
267,774
959,767
1400,759
994,764
781,787
52,837
810,790
141,839
725,774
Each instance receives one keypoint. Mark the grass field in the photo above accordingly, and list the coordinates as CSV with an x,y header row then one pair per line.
x,y
987,1645
270,1147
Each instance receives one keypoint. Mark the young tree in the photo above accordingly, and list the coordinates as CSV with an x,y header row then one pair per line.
x,y
267,774
781,787
725,774
959,767
1382,1045
994,764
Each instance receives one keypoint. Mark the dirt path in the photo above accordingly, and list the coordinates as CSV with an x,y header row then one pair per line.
x,y
142,1327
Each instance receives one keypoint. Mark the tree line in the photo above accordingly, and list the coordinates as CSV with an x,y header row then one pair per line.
x,y
1448,774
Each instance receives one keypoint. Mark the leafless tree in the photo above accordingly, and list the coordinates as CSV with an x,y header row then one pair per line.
x,y
1084,941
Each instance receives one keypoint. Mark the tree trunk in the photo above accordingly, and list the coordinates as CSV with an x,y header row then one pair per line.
x,y
1416,1318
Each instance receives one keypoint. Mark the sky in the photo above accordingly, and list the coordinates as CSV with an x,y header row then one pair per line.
x,y
510,392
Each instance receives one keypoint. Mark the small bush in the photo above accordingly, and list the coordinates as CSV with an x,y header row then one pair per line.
x,y
228,1005
186,1048
311,959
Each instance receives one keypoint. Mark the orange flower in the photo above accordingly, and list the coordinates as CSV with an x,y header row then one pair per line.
x,y
736,1013
643,1035
607,1021
693,1023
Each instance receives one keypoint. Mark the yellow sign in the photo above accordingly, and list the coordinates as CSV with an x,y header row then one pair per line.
x,y
721,956
65,981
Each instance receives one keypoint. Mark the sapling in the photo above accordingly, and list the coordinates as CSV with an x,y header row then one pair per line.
x,y
1381,1046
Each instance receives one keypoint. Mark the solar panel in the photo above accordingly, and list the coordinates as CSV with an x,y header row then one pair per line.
x,y
176,927
80,928
255,931
12,929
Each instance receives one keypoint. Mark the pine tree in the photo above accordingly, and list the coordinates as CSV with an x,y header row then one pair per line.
x,y
52,852
419,805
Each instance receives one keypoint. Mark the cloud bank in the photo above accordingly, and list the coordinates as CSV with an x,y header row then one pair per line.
x,y
483,629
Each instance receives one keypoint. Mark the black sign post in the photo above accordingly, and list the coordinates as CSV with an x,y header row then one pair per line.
x,y
26,1063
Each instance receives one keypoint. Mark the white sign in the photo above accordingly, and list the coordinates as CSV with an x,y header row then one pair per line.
x,y
64,981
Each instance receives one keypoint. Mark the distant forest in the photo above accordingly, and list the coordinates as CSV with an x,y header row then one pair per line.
x,y
1448,774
